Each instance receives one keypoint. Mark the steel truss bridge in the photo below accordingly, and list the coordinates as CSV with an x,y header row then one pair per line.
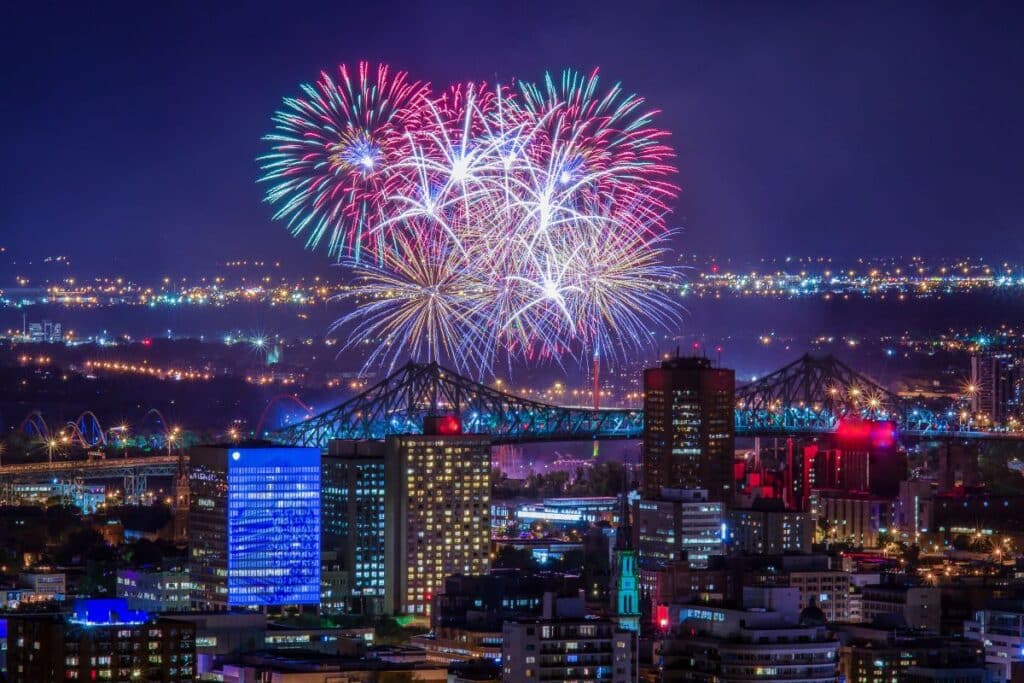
x,y
812,394
808,397
134,471
398,404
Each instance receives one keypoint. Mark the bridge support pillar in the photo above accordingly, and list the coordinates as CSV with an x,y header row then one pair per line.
x,y
134,487
78,492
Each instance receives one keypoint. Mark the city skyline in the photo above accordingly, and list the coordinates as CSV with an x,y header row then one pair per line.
x,y
512,342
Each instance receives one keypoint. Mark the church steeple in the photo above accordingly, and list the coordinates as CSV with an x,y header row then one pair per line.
x,y
625,593
624,532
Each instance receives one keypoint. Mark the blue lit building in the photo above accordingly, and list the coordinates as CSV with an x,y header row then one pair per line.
x,y
254,518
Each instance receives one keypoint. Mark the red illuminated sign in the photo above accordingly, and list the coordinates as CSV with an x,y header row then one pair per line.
x,y
443,425
661,617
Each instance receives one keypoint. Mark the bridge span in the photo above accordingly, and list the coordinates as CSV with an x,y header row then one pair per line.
x,y
134,471
808,397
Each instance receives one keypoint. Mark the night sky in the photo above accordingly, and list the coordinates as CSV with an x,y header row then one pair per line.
x,y
131,129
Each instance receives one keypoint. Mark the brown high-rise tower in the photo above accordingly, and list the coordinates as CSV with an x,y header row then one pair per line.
x,y
689,429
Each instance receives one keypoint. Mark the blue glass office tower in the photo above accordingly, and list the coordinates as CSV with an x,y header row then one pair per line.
x,y
254,517
354,523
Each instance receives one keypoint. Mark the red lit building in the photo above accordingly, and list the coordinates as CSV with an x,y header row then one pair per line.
x,y
862,456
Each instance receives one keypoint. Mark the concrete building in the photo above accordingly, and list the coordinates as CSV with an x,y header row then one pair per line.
x,y
829,591
689,430
995,386
914,513
679,582
918,606
855,518
727,645
154,591
767,530
404,513
565,644
221,634
871,653
42,586
335,588
1000,631
354,523
682,524
467,616
101,640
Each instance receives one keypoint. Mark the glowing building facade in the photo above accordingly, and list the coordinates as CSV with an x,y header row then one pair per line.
x,y
438,495
254,526
625,587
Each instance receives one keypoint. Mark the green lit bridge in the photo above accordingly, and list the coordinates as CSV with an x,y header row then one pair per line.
x,y
807,397
398,404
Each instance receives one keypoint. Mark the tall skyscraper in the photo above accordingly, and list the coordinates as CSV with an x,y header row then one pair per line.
x,y
254,517
438,487
354,522
995,380
689,429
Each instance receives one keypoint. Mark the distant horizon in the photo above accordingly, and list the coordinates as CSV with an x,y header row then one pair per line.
x,y
799,129
307,263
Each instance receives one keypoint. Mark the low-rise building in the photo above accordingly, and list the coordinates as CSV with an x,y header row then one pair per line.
x,y
919,606
467,617
101,640
854,517
222,634
154,591
768,529
878,652
730,645
1000,630
565,644
42,586
830,591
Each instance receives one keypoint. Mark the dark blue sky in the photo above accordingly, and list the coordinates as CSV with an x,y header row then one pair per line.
x,y
821,128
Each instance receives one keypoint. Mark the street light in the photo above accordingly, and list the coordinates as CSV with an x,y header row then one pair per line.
x,y
171,438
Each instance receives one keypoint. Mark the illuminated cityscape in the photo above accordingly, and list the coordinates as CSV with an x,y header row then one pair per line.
x,y
512,343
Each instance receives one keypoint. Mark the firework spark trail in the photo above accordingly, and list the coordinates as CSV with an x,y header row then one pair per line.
x,y
484,223
332,150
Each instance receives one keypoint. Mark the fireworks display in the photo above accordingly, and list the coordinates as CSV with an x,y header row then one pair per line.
x,y
483,223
